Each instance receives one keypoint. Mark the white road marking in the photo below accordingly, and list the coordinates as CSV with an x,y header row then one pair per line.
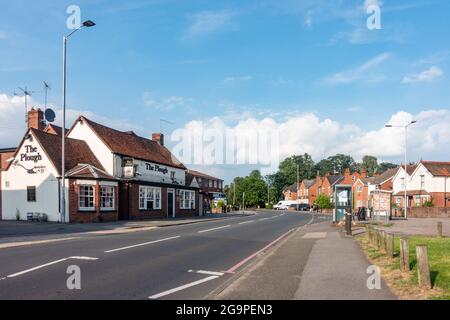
x,y
263,219
48,264
188,285
141,244
207,230
211,273
246,222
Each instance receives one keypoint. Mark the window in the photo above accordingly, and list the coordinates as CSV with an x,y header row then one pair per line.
x,y
359,204
215,184
86,197
417,201
403,182
149,198
359,189
210,183
187,199
107,198
31,194
398,200
422,181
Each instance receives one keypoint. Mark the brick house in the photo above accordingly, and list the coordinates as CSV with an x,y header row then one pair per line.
x,y
110,175
290,193
211,188
430,181
304,191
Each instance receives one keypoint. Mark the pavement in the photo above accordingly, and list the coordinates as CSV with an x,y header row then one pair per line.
x,y
187,261
315,262
418,227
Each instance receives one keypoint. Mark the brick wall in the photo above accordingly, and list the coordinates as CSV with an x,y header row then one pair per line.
x,y
136,213
429,213
96,215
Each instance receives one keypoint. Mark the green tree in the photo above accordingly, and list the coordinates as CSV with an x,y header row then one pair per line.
x,y
370,163
323,201
384,166
340,162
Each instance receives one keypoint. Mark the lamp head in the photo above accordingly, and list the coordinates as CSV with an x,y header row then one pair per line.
x,y
88,23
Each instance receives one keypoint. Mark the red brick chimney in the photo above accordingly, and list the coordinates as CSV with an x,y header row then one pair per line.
x,y
347,172
364,173
158,137
36,119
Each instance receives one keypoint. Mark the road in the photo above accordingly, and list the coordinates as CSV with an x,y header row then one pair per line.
x,y
179,262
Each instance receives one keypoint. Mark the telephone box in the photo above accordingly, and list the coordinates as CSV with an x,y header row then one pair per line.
x,y
343,202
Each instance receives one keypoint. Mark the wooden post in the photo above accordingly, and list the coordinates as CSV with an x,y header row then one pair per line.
x,y
423,266
383,240
404,255
439,229
390,245
368,233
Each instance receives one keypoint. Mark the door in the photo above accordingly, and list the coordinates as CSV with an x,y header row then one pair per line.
x,y
170,203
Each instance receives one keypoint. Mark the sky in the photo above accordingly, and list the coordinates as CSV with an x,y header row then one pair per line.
x,y
311,71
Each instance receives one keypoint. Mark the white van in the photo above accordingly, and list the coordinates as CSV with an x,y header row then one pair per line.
x,y
284,205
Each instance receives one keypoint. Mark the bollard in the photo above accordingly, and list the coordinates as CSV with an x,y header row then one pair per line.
x,y
390,245
348,223
404,255
423,266
439,229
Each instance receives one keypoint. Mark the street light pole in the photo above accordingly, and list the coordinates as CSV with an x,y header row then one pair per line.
x,y
405,200
87,23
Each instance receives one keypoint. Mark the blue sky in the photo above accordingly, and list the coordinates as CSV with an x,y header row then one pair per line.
x,y
184,61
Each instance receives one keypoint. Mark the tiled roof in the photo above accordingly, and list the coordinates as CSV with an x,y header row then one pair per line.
x,y
437,168
412,193
292,188
51,128
77,151
309,183
388,174
131,145
88,171
333,179
201,174
410,168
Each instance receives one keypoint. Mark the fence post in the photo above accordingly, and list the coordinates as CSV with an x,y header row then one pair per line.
x,y
439,229
423,266
404,255
383,240
390,245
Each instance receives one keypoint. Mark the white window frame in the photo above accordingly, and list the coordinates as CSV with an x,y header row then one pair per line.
x,y
108,196
146,194
187,199
422,181
82,208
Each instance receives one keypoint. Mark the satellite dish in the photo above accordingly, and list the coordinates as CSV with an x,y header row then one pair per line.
x,y
50,115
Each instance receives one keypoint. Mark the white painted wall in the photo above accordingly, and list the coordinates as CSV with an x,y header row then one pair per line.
x,y
146,174
397,185
14,195
82,131
432,183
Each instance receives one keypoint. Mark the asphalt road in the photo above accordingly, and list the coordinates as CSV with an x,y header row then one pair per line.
x,y
179,262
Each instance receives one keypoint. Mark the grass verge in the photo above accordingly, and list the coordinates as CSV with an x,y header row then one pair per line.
x,y
405,285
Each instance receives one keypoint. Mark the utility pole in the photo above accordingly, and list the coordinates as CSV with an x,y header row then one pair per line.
x,y
298,177
234,194
243,200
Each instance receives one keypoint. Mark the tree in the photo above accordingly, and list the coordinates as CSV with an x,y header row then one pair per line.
x,y
386,166
323,201
340,162
370,163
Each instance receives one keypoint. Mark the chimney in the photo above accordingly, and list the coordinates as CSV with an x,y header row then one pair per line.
x,y
364,173
347,172
36,119
158,137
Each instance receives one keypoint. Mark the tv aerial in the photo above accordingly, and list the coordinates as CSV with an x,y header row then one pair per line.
x,y
25,93
161,121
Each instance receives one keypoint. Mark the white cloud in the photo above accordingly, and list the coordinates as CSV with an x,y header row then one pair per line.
x,y
207,22
166,103
360,73
368,3
428,75
429,138
237,79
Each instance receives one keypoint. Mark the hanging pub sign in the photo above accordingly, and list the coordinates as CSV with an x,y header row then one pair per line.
x,y
128,168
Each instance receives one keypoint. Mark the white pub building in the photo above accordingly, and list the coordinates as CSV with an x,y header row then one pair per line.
x,y
110,175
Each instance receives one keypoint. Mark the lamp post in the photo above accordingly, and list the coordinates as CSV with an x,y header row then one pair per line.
x,y
87,24
406,166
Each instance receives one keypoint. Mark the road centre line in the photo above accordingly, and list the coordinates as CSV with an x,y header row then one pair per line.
x,y
245,222
188,285
141,244
48,264
207,230
211,273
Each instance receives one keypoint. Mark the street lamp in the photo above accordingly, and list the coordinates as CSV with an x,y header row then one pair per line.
x,y
406,166
87,24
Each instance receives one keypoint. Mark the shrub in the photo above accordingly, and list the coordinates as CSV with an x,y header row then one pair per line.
x,y
323,202
428,204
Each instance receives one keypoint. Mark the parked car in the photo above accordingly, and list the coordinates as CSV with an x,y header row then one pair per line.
x,y
299,207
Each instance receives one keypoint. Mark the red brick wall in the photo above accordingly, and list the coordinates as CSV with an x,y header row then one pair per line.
x,y
136,213
429,213
3,157
362,196
90,216
439,199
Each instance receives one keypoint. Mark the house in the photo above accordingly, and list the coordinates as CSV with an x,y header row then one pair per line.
x,y
6,155
430,182
328,184
111,175
211,188
304,191
290,193
399,181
